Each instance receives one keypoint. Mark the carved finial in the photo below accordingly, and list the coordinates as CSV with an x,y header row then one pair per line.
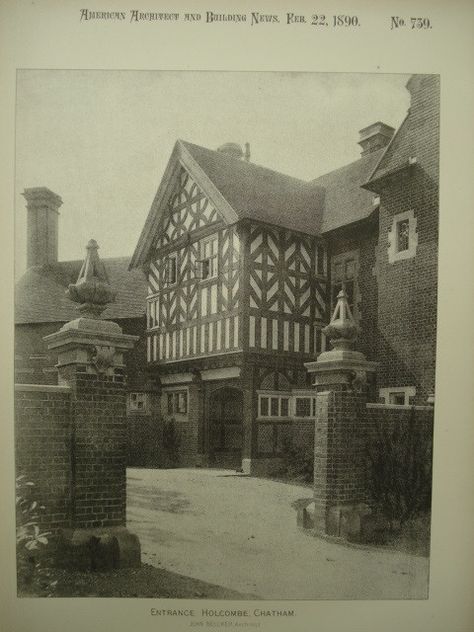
x,y
342,330
92,288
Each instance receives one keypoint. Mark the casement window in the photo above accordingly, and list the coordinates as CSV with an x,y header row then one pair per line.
x,y
344,273
177,402
397,395
171,269
207,266
273,405
138,403
153,313
402,237
279,405
305,406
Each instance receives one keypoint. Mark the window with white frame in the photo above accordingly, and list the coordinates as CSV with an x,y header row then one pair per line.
x,y
273,405
305,406
402,237
171,269
138,403
177,402
278,405
397,395
153,313
207,266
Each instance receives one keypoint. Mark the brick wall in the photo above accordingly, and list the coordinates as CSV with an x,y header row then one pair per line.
x,y
43,432
339,453
407,289
100,447
346,428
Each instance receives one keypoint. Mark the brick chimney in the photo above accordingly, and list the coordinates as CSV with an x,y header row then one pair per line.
x,y
42,227
375,137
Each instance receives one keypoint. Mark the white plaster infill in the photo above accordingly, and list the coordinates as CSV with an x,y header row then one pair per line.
x,y
42,388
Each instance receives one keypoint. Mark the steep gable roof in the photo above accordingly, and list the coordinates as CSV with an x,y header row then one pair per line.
x,y
259,193
344,200
238,190
40,294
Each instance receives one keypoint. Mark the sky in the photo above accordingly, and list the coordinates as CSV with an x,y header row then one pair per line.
x,y
102,139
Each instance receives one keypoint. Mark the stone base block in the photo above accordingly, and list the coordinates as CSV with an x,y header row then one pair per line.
x,y
99,549
304,513
343,521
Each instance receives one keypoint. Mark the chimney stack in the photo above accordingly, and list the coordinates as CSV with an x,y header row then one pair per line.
x,y
231,149
42,227
375,137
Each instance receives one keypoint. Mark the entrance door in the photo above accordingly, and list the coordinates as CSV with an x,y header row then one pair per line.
x,y
225,428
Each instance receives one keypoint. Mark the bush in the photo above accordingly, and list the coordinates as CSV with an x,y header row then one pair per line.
x,y
298,461
32,544
171,443
400,471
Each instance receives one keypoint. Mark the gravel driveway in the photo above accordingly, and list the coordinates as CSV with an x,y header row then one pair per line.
x,y
240,532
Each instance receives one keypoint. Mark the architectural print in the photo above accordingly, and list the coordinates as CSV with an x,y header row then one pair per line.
x,y
236,275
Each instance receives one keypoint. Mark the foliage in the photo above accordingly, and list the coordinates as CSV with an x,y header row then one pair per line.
x,y
298,461
171,442
34,574
400,470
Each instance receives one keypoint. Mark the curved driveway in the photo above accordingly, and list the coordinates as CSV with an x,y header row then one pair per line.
x,y
240,532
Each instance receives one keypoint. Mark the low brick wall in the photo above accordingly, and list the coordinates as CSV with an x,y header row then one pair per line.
x,y
387,415
347,429
43,432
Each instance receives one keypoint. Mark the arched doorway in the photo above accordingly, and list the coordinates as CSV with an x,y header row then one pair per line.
x,y
225,428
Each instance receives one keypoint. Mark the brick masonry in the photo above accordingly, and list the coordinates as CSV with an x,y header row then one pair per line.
x,y
43,449
100,447
406,343
345,428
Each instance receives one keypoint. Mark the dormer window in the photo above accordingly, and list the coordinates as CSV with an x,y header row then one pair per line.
x,y
207,266
171,269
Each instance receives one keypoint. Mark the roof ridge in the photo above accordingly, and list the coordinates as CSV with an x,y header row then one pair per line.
x,y
251,165
347,165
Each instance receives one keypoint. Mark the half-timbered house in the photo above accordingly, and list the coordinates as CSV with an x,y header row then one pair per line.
x,y
243,265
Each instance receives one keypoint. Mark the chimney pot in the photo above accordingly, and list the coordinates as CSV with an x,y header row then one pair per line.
x,y
375,137
231,149
247,152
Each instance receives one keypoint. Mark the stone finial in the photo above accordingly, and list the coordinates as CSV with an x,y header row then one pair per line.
x,y
342,329
92,289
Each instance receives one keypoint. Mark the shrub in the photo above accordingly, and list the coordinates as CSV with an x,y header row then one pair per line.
x,y
33,571
400,470
171,442
298,461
